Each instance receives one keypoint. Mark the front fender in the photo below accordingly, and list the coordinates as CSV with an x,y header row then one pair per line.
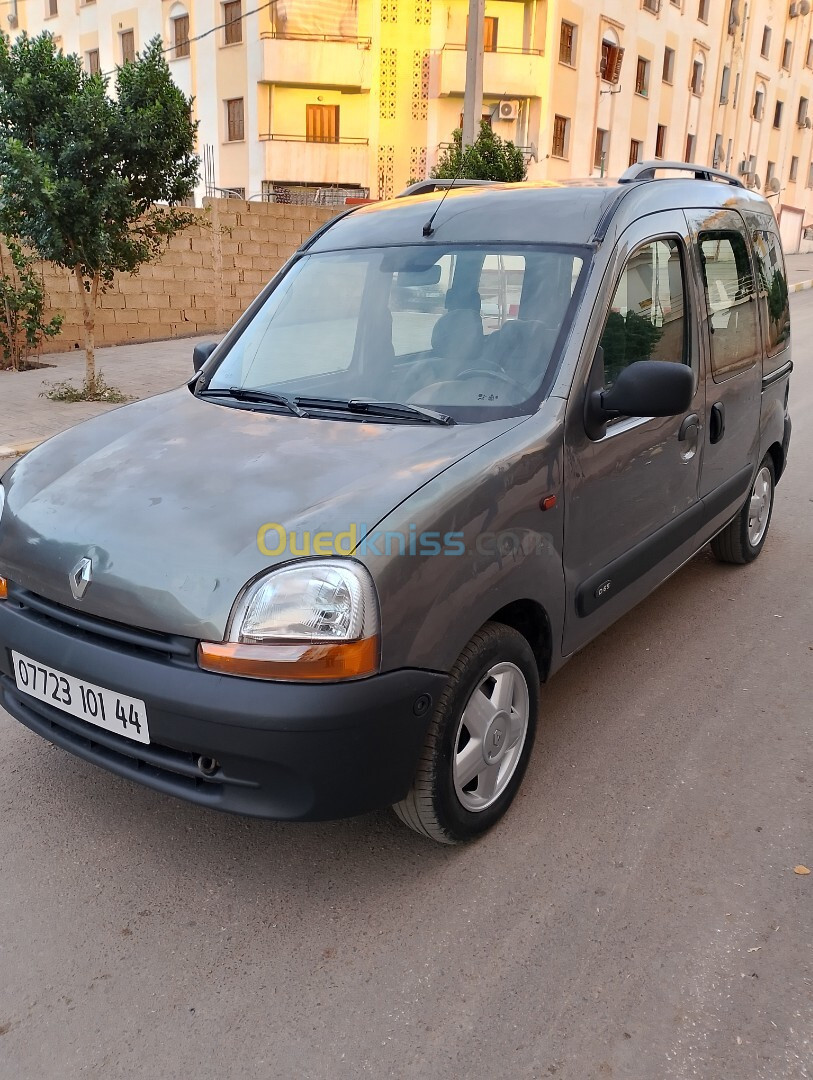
x,y
474,539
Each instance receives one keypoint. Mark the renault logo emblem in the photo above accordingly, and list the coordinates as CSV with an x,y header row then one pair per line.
x,y
80,578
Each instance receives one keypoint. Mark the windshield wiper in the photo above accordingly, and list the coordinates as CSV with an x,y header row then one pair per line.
x,y
241,393
393,409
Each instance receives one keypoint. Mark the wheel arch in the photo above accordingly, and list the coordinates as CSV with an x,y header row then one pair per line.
x,y
777,455
529,618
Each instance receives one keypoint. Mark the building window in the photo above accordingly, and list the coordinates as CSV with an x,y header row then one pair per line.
x,y
771,173
233,18
758,110
717,157
94,65
53,9
561,136
794,169
235,120
567,44
736,89
322,123
810,176
636,151
777,114
660,141
691,142
127,46
724,85
490,35
601,149
652,5
668,65
642,77
766,42
180,36
787,54
703,11
809,57
612,56
801,116
697,77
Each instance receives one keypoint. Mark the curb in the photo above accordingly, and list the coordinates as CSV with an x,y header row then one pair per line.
x,y
800,286
19,448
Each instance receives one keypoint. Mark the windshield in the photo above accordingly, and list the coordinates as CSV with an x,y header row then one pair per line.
x,y
469,331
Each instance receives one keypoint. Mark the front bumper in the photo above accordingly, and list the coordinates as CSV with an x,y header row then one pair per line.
x,y
285,750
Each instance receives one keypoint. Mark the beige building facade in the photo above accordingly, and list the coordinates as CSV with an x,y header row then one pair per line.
x,y
318,100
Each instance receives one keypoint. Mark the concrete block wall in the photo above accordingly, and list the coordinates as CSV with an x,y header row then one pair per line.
x,y
206,279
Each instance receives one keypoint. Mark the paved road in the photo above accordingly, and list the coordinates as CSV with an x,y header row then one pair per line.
x,y
637,915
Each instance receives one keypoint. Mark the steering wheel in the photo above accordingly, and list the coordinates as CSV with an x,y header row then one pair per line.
x,y
473,373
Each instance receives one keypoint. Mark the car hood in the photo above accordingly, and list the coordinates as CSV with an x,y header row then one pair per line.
x,y
167,497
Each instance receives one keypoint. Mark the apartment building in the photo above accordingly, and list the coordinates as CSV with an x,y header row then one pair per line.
x,y
324,99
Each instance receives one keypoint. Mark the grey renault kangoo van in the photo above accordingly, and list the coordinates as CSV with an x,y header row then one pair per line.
x,y
455,438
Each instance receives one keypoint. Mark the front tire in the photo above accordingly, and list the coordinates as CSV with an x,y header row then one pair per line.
x,y
479,739
743,538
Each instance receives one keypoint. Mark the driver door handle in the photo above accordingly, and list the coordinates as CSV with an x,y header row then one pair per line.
x,y
691,421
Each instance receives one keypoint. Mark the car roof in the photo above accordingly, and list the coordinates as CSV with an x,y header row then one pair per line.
x,y
577,212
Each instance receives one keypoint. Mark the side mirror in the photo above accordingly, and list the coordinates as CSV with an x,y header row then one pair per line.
x,y
645,388
202,354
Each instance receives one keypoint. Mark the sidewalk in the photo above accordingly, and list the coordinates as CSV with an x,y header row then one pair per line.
x,y
800,271
27,419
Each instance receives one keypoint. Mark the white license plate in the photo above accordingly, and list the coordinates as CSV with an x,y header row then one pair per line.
x,y
105,708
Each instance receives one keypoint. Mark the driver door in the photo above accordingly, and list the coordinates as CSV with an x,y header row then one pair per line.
x,y
632,495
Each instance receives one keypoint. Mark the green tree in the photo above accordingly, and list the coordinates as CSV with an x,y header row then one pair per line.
x,y
489,158
92,182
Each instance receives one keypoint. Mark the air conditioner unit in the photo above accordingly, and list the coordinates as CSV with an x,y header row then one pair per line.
x,y
508,110
743,168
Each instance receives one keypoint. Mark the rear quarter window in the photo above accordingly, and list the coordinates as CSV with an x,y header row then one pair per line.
x,y
731,301
773,296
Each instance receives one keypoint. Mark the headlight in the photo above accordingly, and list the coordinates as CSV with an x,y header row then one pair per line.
x,y
310,621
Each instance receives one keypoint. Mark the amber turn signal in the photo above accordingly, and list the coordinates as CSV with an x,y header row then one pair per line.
x,y
3,589
303,662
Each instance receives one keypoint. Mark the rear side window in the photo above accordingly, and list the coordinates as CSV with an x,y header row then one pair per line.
x,y
731,302
647,319
773,296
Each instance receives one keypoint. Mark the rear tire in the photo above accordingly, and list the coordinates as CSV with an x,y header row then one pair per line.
x,y
743,538
479,740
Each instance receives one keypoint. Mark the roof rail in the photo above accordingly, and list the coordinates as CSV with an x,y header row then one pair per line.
x,y
646,170
424,187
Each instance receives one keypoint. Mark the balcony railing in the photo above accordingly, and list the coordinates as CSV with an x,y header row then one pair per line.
x,y
273,136
276,35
